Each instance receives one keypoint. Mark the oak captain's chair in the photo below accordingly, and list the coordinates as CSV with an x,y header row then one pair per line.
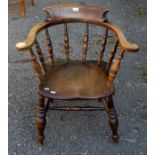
x,y
80,79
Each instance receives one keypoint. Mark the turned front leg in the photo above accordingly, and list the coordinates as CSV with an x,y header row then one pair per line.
x,y
112,115
41,119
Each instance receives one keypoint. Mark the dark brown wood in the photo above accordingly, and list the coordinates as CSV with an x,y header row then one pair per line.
x,y
111,55
66,42
40,55
49,45
36,65
113,121
76,10
41,119
76,108
124,44
103,44
47,104
73,80
85,43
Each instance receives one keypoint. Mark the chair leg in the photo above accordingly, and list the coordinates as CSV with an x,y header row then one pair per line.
x,y
47,104
32,3
100,99
22,6
41,119
112,115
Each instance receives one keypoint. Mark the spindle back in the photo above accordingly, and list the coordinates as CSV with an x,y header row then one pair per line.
x,y
88,14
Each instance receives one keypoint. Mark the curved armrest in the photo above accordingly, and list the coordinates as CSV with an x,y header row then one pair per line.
x,y
21,46
127,46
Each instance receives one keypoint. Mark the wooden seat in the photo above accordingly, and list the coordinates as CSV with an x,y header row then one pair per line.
x,y
81,79
76,80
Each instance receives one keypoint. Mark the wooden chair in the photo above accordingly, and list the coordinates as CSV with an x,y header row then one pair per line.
x,y
80,79
22,6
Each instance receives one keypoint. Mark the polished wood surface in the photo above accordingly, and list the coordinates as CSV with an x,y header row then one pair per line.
x,y
78,79
49,46
74,11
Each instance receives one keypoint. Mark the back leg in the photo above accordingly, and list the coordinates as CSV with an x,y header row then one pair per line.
x,y
100,99
112,115
22,6
32,3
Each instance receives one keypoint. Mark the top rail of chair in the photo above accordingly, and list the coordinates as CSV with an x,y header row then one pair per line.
x,y
76,11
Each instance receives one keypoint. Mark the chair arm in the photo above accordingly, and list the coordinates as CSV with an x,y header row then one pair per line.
x,y
125,45
21,46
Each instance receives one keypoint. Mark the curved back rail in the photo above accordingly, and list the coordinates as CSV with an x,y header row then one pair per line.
x,y
71,13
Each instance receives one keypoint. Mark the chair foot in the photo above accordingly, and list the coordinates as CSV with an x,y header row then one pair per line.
x,y
41,120
40,139
112,115
115,138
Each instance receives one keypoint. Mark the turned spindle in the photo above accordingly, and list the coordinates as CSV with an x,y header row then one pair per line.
x,y
49,46
66,42
36,65
85,43
102,48
111,56
116,66
40,55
